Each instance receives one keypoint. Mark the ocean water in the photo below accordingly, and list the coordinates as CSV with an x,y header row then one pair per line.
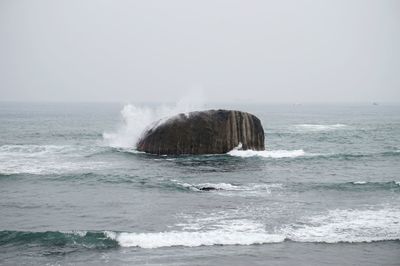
x,y
74,191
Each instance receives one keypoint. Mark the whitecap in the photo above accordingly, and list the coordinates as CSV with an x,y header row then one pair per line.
x,y
347,226
227,232
192,239
319,127
276,154
376,183
359,182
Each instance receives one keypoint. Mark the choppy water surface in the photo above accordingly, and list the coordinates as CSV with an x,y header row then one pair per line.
x,y
73,190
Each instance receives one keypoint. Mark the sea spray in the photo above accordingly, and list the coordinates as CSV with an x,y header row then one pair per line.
x,y
136,119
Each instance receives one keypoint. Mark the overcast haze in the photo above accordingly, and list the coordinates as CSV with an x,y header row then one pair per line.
x,y
260,51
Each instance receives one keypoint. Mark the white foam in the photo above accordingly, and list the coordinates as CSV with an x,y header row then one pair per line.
x,y
45,159
318,127
228,186
347,226
216,186
266,186
225,228
366,182
136,119
267,154
231,232
359,182
192,239
219,186
133,151
227,220
40,150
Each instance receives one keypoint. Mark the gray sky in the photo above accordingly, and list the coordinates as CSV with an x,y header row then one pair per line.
x,y
260,51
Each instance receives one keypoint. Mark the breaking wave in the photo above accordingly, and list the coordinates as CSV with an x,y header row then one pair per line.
x,y
335,226
350,226
193,239
77,239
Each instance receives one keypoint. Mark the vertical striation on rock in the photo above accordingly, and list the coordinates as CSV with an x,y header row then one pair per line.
x,y
204,132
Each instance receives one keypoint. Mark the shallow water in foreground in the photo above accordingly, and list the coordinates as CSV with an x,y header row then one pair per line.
x,y
326,190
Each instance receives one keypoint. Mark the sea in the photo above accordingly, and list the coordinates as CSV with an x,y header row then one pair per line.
x,y
75,191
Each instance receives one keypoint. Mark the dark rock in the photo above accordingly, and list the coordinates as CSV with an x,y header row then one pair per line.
x,y
204,132
206,188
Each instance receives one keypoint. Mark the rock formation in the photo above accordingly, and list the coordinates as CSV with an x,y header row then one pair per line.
x,y
204,132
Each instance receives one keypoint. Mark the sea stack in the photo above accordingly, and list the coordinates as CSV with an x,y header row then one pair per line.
x,y
203,132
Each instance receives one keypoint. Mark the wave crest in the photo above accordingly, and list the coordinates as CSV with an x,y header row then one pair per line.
x,y
335,226
193,239
72,239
